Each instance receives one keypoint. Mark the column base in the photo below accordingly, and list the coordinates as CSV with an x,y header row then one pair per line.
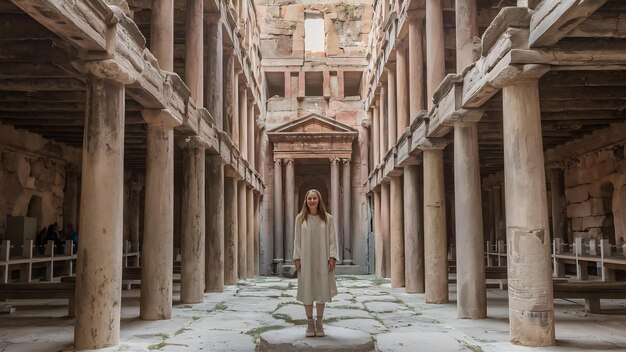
x,y
347,262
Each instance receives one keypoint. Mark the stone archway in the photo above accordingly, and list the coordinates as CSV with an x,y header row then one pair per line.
x,y
35,210
608,226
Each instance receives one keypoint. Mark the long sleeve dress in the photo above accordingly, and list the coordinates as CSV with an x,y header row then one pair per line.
x,y
315,241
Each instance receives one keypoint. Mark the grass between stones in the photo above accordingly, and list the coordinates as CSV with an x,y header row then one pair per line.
x,y
180,331
472,348
220,306
161,345
256,332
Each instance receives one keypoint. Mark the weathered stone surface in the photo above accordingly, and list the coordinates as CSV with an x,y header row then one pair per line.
x,y
593,221
336,339
579,210
577,194
427,341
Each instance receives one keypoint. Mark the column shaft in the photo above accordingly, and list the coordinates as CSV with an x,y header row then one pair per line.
x,y
236,112
334,200
278,212
214,73
531,312
397,232
257,233
242,239
251,133
466,30
497,213
402,92
243,121
193,227
134,208
471,289
162,33
157,249
194,47
416,67
559,205
231,230
379,256
215,225
70,198
347,213
435,240
413,235
435,50
384,125
99,264
250,233
290,209
376,135
229,107
391,106
385,223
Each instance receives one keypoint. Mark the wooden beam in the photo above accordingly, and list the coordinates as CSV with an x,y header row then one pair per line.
x,y
614,134
31,69
584,78
32,50
602,24
577,52
553,20
41,84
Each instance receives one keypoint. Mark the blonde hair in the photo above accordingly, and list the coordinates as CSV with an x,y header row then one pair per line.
x,y
321,209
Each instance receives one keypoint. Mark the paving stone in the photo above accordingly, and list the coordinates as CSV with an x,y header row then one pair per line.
x,y
427,341
371,326
336,339
376,298
382,307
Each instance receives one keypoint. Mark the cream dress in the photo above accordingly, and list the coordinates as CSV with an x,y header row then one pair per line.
x,y
315,242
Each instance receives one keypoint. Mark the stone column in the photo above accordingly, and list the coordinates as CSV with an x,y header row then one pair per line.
x,y
376,134
162,33
364,148
384,125
214,72
99,265
413,235
466,30
243,121
347,212
134,207
231,230
278,212
250,249
402,91
193,224
391,105
70,198
290,209
215,225
194,50
396,224
489,217
416,63
242,238
470,277
157,249
251,132
257,233
228,106
385,223
497,213
559,205
435,238
334,200
236,112
435,51
531,312
378,237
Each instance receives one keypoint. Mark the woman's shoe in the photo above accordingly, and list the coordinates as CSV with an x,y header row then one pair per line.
x,y
319,327
310,329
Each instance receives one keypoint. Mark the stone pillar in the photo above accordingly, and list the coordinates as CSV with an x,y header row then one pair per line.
x,y
466,29
334,200
378,237
250,249
347,213
278,212
396,224
531,312
194,47
364,148
231,230
391,105
376,134
215,228
193,224
229,108
384,125
385,223
242,238
236,112
70,198
157,249
413,235
416,63
243,121
402,91
134,208
497,213
257,233
99,263
435,51
489,217
470,277
214,72
290,208
435,238
162,33
251,133
559,205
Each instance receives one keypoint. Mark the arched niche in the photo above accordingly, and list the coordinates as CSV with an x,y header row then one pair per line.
x,y
608,225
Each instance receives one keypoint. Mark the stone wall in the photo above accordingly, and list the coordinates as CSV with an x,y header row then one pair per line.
x,y
595,189
32,174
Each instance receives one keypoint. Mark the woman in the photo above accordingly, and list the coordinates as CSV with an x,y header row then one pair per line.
x,y
314,254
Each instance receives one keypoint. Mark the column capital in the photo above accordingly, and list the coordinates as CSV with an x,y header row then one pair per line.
x,y
334,160
390,66
288,161
160,117
431,143
196,142
109,69
212,17
346,161
413,15
215,159
277,162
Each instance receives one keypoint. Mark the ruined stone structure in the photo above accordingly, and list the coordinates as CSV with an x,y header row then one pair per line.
x,y
193,128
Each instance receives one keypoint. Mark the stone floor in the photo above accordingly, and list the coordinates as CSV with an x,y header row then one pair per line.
x,y
234,319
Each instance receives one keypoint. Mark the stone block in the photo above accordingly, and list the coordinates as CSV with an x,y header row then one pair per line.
x,y
606,154
579,210
577,224
595,189
597,206
577,194
593,221
603,169
294,13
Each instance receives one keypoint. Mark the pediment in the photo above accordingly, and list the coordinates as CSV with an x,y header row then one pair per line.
x,y
314,124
